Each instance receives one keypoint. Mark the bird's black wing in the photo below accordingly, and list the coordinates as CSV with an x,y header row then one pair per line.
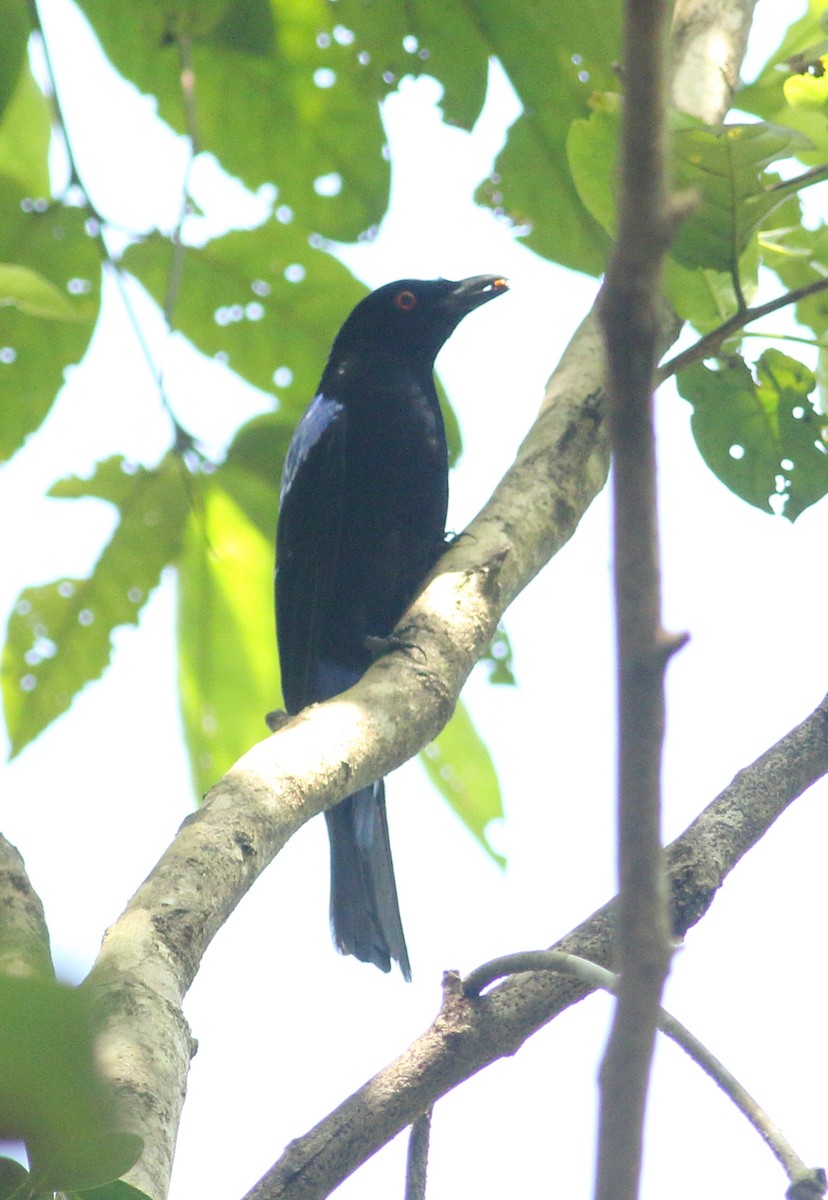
x,y
365,915
307,546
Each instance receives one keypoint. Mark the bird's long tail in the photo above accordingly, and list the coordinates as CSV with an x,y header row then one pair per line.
x,y
365,914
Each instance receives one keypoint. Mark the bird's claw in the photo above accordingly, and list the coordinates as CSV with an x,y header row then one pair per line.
x,y
276,719
378,646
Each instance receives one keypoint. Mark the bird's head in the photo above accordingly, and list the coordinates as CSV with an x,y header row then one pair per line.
x,y
414,317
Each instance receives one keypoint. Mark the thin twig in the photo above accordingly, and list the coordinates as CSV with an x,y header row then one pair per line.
x,y
770,1133
417,1160
798,182
187,80
183,439
710,344
599,977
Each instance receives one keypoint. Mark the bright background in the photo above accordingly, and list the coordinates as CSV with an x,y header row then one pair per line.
x,y
287,1028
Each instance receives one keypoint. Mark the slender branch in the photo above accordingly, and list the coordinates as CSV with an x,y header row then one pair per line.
x,y
798,182
710,344
417,1162
629,311
771,1134
598,977
590,973
24,936
187,80
469,1034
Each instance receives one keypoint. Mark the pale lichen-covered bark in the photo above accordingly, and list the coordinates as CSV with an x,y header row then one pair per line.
x,y
24,937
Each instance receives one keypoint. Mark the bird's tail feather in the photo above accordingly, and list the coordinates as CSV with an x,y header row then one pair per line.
x,y
365,913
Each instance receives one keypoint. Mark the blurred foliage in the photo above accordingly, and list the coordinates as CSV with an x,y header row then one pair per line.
x,y
460,766
53,1097
58,637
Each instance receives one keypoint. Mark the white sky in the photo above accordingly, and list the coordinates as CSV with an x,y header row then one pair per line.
x,y
286,1027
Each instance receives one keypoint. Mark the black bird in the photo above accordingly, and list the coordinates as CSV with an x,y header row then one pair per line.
x,y
361,523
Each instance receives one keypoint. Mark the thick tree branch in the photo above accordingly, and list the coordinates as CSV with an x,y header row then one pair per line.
x,y
24,937
469,1034
708,42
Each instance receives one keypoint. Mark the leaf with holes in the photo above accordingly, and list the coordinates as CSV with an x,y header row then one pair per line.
x,y
304,113
262,299
52,244
59,634
459,765
761,436
30,293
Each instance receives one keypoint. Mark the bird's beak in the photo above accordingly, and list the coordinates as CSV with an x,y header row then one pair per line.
x,y
469,294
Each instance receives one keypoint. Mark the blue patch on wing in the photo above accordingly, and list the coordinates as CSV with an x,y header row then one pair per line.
x,y
317,420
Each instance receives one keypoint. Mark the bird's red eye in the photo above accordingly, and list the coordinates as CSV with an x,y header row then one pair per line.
x,y
406,301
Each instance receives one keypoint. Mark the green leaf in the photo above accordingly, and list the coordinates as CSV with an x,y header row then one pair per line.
x,y
295,127
236,301
726,165
52,243
13,1180
14,21
592,151
448,41
782,96
116,1190
53,1096
228,669
798,256
29,292
460,767
58,636
556,56
313,78
706,298
259,448
762,437
25,134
